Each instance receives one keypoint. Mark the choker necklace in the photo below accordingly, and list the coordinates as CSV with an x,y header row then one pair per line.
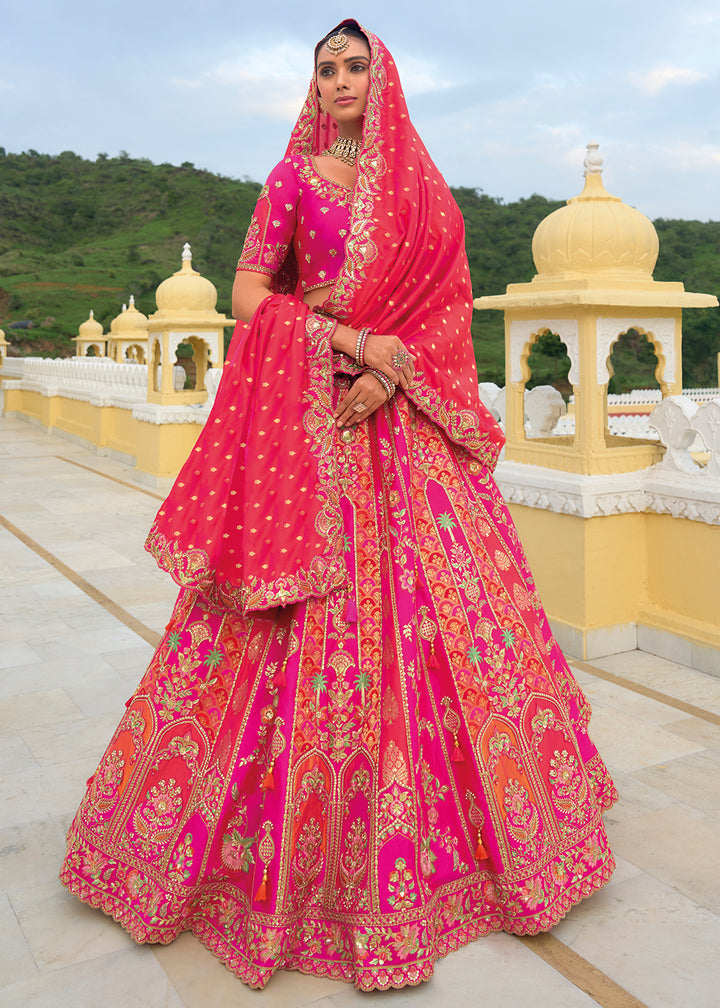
x,y
344,149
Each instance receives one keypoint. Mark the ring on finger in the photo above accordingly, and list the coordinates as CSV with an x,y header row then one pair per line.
x,y
359,407
400,359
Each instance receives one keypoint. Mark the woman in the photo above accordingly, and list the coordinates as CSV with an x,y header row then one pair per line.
x,y
358,746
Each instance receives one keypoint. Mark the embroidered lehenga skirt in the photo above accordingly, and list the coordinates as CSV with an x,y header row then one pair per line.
x,y
356,785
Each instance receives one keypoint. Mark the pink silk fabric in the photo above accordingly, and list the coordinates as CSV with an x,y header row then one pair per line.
x,y
299,207
253,520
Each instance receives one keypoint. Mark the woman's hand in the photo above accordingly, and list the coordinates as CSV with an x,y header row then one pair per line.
x,y
379,352
363,398
388,354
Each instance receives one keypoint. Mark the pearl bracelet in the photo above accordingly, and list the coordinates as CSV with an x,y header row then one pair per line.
x,y
360,346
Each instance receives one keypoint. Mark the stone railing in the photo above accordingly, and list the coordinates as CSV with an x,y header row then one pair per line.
x,y
685,483
621,424
102,382
644,397
96,380
12,368
99,381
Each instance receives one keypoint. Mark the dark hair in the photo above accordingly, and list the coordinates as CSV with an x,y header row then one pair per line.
x,y
349,27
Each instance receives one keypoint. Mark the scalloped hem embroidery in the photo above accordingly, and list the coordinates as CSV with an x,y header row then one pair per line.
x,y
376,976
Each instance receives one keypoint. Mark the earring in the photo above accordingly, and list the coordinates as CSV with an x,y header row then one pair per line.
x,y
322,104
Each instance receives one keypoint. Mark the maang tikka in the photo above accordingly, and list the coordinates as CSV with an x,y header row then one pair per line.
x,y
337,43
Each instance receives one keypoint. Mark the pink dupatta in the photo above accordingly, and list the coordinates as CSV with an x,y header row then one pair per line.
x,y
253,520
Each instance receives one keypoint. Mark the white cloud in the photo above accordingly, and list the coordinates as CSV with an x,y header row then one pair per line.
x,y
269,82
654,81
419,76
273,82
691,157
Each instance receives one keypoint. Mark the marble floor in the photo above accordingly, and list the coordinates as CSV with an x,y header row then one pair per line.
x,y
81,605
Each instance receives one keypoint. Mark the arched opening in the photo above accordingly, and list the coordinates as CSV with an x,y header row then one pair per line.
x,y
135,354
545,366
155,365
633,362
184,359
201,358
634,368
92,351
549,363
194,357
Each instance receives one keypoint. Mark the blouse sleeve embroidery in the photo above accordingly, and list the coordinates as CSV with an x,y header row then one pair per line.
x,y
273,222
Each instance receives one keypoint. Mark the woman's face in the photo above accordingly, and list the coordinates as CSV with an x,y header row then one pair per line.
x,y
343,80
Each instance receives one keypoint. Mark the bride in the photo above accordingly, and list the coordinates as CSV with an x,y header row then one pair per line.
x,y
358,746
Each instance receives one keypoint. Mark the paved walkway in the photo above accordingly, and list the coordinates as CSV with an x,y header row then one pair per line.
x,y
81,604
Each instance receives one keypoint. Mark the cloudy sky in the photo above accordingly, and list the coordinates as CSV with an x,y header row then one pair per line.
x,y
506,96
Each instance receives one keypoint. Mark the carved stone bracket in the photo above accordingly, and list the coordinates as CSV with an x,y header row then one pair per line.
x,y
673,420
707,423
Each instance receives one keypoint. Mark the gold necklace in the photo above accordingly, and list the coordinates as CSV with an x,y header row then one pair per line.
x,y
344,149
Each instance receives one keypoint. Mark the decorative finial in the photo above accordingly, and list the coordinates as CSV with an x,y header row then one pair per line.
x,y
132,300
92,313
124,307
187,253
593,162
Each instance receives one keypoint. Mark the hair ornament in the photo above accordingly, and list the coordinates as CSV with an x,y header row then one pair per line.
x,y
337,43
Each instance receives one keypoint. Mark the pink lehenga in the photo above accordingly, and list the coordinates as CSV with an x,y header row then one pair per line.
x,y
357,746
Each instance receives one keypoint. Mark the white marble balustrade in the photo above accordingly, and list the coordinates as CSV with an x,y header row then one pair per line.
x,y
685,484
97,380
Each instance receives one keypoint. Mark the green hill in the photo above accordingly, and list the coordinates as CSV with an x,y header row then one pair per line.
x,y
79,234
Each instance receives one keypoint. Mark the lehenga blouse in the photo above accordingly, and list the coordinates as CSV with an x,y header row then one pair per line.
x,y
299,208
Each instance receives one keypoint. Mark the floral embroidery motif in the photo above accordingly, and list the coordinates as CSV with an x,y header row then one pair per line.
x,y
401,886
154,820
181,862
522,817
396,813
103,789
569,788
353,865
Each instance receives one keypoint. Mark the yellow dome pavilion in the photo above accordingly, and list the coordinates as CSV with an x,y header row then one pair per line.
x,y
186,292
91,328
186,314
595,233
130,320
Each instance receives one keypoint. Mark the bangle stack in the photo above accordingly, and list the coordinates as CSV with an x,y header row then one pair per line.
x,y
360,346
384,381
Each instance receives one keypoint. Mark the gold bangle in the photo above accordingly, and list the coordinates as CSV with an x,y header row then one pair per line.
x,y
384,381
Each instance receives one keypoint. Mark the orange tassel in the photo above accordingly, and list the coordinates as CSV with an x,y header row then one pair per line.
x,y
268,783
261,894
433,663
481,853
